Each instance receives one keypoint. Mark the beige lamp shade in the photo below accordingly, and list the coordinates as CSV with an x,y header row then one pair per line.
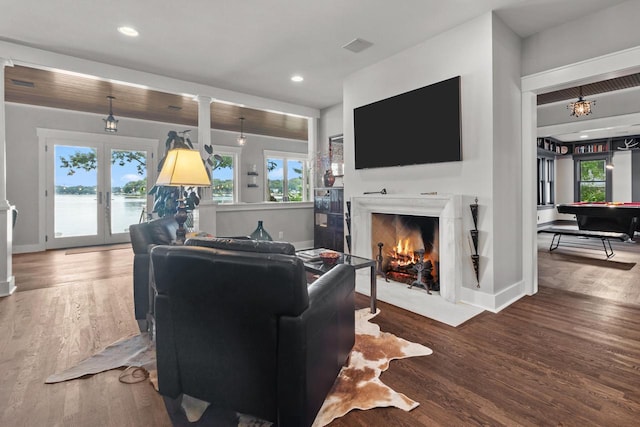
x,y
183,167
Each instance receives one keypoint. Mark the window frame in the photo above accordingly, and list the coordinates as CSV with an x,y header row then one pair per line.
x,y
286,156
235,152
608,187
546,180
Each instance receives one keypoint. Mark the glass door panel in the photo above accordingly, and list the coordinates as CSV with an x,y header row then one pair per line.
x,y
127,196
74,197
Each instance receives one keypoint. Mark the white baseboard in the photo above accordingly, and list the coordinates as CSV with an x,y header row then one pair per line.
x,y
491,302
8,287
23,249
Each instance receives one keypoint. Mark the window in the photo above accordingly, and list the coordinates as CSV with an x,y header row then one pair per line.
x,y
546,173
287,177
224,175
593,180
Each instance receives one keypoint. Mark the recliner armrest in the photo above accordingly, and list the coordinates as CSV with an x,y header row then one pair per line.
x,y
314,346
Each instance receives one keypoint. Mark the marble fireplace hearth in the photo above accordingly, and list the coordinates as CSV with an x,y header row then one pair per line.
x,y
443,306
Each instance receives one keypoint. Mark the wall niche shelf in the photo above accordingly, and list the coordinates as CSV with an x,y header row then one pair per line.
x,y
553,147
252,174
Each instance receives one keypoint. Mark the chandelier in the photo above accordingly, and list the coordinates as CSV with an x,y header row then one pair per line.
x,y
581,107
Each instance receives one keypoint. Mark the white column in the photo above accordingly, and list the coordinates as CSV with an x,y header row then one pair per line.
x,y
207,214
312,146
529,212
7,281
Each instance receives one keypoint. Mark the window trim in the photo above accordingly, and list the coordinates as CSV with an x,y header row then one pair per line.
x,y
235,152
608,184
287,155
546,177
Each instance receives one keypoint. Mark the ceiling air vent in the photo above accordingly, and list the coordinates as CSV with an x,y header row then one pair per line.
x,y
174,108
22,83
357,45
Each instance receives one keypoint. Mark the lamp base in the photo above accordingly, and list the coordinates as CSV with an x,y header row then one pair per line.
x,y
181,217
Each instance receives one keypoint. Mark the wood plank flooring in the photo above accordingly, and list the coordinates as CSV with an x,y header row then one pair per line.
x,y
556,358
576,267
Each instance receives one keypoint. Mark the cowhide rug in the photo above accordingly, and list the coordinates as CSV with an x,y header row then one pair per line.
x,y
358,385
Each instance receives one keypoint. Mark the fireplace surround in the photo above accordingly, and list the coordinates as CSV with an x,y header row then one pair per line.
x,y
448,210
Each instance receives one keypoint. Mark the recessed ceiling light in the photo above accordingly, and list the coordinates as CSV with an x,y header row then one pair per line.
x,y
128,31
297,78
584,136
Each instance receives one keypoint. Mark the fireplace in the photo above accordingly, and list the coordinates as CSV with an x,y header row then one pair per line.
x,y
407,248
444,212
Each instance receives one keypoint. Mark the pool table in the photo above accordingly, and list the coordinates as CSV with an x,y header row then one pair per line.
x,y
605,216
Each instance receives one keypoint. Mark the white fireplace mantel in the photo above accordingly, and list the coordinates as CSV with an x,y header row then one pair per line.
x,y
447,208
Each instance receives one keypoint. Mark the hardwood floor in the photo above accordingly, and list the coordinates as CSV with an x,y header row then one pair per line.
x,y
556,358
580,265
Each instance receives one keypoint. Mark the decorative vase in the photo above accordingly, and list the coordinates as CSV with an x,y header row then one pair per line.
x,y
328,178
260,233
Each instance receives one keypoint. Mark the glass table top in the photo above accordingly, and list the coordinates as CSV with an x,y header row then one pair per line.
x,y
312,261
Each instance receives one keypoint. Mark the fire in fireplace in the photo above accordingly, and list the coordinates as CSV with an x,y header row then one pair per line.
x,y
407,248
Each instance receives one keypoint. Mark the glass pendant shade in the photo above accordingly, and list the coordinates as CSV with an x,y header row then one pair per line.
x,y
242,139
110,123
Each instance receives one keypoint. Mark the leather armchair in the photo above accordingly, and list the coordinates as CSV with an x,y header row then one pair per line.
x,y
241,329
144,236
243,244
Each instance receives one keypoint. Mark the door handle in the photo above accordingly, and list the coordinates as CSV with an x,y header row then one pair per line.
x,y
108,200
99,197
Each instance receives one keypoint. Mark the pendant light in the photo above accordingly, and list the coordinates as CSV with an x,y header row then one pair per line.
x,y
581,107
242,139
110,123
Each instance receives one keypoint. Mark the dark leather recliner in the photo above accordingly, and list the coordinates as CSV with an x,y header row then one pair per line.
x,y
144,236
241,329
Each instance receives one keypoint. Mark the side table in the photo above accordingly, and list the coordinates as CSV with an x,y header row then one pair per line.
x,y
313,264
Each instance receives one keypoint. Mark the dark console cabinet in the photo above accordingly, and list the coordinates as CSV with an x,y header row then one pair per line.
x,y
328,229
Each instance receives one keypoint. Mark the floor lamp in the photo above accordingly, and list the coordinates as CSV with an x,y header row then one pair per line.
x,y
183,167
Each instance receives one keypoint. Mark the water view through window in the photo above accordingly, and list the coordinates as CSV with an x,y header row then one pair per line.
x,y
80,203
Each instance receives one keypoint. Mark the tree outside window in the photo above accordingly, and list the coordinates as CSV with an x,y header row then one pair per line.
x,y
593,181
286,179
223,183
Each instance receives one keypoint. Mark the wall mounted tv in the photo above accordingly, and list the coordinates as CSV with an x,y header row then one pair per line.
x,y
416,127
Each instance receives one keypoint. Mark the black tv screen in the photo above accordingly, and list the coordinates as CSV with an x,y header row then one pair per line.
x,y
416,127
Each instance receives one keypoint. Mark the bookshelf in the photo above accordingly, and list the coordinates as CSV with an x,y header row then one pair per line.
x,y
551,147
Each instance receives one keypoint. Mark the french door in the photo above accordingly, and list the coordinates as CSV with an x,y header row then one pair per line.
x,y
96,188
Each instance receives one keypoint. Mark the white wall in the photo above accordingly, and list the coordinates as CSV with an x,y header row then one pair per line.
x,y
23,169
507,156
621,177
468,51
289,222
603,32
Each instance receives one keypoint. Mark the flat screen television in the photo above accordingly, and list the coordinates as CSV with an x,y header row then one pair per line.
x,y
416,127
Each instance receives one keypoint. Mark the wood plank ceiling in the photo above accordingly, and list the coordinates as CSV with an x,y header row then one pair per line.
x,y
33,86
572,93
